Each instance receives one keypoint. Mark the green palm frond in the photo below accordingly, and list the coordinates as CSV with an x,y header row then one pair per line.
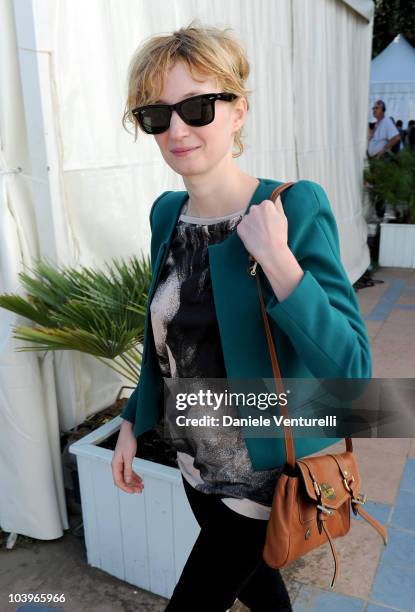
x,y
97,312
22,307
77,340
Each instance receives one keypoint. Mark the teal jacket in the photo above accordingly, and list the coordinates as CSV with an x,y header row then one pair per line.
x,y
318,329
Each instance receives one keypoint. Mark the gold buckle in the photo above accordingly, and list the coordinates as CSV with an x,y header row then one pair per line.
x,y
346,484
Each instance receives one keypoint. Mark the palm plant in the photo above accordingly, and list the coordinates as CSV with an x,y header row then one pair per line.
x,y
86,310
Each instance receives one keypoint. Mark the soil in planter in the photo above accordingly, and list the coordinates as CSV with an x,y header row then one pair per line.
x,y
92,422
151,445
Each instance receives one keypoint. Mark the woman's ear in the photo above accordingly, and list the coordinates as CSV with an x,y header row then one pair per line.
x,y
239,111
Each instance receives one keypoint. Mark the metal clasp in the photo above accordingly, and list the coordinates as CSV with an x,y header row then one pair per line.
x,y
325,510
252,271
361,499
346,484
317,488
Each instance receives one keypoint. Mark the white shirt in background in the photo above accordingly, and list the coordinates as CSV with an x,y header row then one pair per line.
x,y
385,130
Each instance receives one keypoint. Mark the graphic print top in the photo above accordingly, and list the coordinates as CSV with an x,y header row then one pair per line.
x,y
188,345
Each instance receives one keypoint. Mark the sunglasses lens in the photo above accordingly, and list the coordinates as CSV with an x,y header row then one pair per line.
x,y
155,120
198,111
195,111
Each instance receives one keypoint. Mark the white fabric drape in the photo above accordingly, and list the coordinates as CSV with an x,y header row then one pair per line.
x,y
364,8
34,407
32,496
308,119
331,49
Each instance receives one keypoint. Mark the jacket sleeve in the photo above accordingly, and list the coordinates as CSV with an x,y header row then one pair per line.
x,y
129,411
321,315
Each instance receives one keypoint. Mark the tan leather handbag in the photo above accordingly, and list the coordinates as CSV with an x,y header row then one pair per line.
x,y
313,495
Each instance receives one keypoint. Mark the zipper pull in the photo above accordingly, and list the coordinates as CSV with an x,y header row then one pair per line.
x,y
252,268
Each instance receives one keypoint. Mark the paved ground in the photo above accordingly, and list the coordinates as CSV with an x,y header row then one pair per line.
x,y
373,578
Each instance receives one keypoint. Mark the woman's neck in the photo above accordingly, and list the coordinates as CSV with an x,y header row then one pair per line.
x,y
221,195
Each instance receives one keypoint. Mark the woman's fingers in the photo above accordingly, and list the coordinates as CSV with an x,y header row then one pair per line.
x,y
133,479
124,477
135,483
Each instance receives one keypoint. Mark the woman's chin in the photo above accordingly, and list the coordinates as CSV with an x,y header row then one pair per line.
x,y
188,169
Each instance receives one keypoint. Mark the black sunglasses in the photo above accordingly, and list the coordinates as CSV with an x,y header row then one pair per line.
x,y
195,111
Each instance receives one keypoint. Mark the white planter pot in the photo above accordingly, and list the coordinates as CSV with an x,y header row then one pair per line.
x,y
144,538
397,245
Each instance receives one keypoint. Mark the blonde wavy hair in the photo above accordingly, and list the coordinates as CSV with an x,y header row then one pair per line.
x,y
206,51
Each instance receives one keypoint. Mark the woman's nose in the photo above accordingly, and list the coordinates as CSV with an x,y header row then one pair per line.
x,y
178,128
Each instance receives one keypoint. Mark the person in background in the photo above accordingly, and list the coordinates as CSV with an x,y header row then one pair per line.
x,y
410,135
400,145
385,134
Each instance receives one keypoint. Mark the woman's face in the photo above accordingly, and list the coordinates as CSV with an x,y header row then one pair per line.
x,y
209,144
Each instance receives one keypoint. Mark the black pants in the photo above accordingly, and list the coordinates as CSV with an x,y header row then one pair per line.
x,y
226,563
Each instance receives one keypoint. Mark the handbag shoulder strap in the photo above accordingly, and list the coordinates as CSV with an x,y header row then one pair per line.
x,y
288,433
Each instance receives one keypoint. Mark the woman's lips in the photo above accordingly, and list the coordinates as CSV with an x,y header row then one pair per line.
x,y
183,152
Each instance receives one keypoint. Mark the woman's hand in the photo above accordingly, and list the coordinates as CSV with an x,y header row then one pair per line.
x,y
264,230
121,463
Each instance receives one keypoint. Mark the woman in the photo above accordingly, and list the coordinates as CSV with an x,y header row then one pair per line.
x,y
204,319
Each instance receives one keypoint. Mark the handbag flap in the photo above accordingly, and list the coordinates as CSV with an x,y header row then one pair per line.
x,y
328,471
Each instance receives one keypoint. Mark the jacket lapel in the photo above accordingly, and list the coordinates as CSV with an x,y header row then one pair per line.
x,y
237,303
165,224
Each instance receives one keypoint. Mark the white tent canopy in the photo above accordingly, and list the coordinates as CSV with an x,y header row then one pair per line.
x,y
392,79
77,189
